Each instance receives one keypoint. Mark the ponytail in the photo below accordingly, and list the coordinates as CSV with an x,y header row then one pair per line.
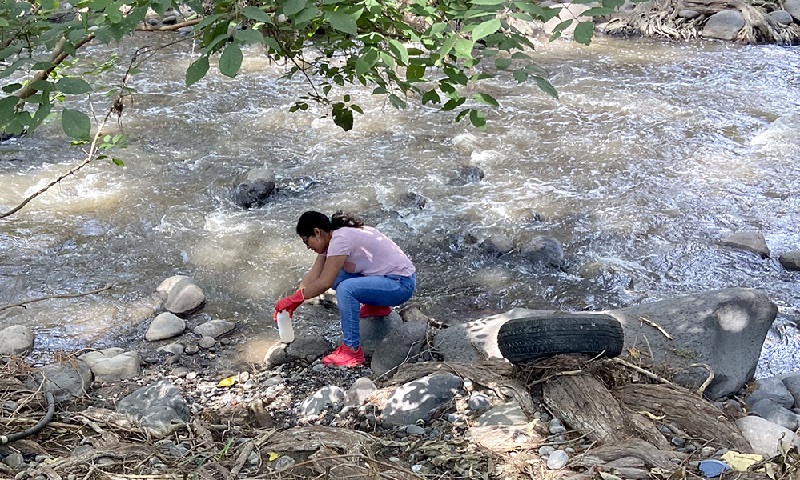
x,y
341,219
311,219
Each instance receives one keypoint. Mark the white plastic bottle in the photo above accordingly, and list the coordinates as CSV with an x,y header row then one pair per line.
x,y
285,330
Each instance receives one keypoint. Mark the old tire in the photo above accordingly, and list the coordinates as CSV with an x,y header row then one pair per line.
x,y
525,339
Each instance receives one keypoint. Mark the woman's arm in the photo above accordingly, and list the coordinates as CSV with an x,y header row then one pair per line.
x,y
330,268
314,273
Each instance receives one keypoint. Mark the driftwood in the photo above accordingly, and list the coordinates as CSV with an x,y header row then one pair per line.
x,y
650,456
687,411
585,404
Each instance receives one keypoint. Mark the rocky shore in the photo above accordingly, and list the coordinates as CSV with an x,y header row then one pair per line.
x,y
435,401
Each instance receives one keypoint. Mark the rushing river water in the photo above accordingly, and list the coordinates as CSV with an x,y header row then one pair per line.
x,y
653,153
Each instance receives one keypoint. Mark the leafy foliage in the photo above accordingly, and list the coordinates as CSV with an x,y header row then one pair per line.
x,y
422,50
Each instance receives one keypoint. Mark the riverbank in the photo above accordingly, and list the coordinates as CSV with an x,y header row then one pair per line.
x,y
188,414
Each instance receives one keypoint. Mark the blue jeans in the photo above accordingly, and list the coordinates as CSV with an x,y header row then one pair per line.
x,y
353,289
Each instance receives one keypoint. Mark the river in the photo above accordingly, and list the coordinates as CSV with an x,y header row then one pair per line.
x,y
653,152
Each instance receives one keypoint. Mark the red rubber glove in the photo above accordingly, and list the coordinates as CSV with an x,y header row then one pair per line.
x,y
289,303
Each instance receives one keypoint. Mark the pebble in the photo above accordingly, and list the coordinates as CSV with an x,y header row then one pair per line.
x,y
557,460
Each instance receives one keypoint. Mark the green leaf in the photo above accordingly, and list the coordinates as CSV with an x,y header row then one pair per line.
x,y
308,13
196,71
40,116
520,75
464,48
477,118
118,162
343,22
546,87
453,103
76,124
431,96
13,67
367,61
8,110
487,2
485,29
397,101
293,6
248,35
231,60
560,28
399,50
502,63
583,33
73,86
448,45
343,118
257,14
486,99
415,72
7,52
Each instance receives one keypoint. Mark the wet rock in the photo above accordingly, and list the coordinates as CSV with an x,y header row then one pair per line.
x,y
165,325
792,383
253,189
16,339
543,250
790,260
748,241
308,348
167,284
214,328
497,245
466,175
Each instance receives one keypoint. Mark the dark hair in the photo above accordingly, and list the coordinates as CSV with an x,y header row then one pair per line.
x,y
311,219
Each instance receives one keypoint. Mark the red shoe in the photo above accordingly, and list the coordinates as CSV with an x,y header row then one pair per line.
x,y
373,311
344,356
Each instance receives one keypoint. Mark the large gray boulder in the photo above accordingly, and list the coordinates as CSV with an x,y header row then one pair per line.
x,y
724,25
721,329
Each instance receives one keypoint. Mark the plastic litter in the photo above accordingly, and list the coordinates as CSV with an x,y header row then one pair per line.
x,y
713,468
741,461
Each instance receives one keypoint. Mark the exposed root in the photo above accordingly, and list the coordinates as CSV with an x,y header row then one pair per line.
x,y
660,18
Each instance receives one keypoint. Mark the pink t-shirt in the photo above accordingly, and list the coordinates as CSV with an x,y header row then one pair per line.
x,y
369,252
